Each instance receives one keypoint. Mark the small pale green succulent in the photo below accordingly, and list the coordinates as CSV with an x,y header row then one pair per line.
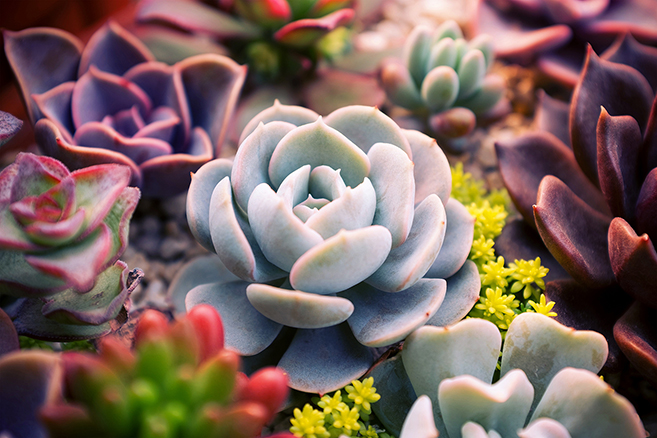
x,y
444,77
548,386
340,227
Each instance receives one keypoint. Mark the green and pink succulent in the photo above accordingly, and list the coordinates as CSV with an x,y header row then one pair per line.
x,y
61,235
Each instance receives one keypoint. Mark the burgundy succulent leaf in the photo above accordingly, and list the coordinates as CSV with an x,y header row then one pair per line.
x,y
112,103
638,342
8,335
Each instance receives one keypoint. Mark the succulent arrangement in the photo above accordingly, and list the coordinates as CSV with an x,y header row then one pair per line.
x,y
592,205
327,226
443,78
110,102
547,384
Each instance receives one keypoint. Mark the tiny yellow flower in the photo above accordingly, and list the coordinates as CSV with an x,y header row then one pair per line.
x,y
309,423
369,432
331,404
363,393
482,251
494,273
347,420
489,221
543,307
526,273
497,304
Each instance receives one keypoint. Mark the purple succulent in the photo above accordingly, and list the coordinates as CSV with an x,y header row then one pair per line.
x,y
555,31
61,235
9,126
594,205
110,102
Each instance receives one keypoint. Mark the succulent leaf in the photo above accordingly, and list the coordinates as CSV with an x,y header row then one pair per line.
x,y
419,421
440,88
9,126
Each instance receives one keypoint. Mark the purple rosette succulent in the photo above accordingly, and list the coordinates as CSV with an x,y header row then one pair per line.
x,y
593,200
555,32
110,102
276,38
339,227
61,235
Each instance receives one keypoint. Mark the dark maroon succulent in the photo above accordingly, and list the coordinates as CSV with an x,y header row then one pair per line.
x,y
110,102
555,32
595,205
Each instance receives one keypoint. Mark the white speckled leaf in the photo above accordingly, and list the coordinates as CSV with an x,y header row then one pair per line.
x,y
282,236
341,261
318,144
502,407
432,171
588,407
352,210
251,164
366,126
544,428
458,241
541,347
298,309
394,182
294,188
382,318
407,263
432,354
419,421
296,115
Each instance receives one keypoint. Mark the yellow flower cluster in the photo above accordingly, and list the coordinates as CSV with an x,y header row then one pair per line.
x,y
340,416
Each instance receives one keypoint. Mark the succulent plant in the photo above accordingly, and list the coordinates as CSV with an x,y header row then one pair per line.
x,y
547,380
275,37
61,235
179,381
327,225
112,103
594,204
556,32
9,126
443,77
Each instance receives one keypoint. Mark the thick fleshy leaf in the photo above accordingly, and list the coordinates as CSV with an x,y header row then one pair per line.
x,y
419,421
471,72
551,115
318,144
502,407
416,52
233,240
398,84
30,379
196,17
462,293
619,142
637,338
281,235
443,53
336,359
453,123
247,330
524,161
544,428
333,89
98,306
575,234
432,354
634,261
397,394
55,104
570,12
625,92
542,347
296,115
489,94
646,207
198,199
306,32
295,308
42,58
212,86
630,16
9,126
393,180
431,168
627,50
409,262
341,261
649,148
440,88
19,279
114,50
382,319
590,309
30,175
518,39
574,396
366,126
457,243
97,94
8,335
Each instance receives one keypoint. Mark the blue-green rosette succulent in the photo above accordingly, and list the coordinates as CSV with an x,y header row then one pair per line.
x,y
340,227
548,386
443,77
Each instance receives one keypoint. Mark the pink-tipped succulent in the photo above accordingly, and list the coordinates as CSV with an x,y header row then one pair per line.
x,y
110,102
444,79
179,381
594,205
555,32
275,37
9,126
61,235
